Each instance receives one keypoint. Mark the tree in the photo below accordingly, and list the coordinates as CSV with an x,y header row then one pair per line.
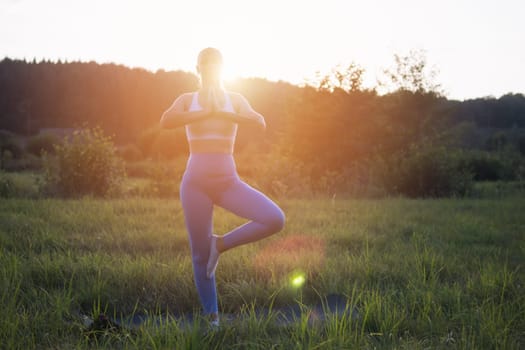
x,y
349,79
411,73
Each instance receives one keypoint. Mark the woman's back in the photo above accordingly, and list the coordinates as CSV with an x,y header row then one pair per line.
x,y
211,135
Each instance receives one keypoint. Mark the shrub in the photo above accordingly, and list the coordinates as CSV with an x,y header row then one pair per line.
x,y
146,140
164,181
426,171
14,148
130,153
496,142
155,179
277,176
490,166
18,185
169,144
28,162
521,145
40,144
164,144
10,147
7,186
85,163
485,166
139,169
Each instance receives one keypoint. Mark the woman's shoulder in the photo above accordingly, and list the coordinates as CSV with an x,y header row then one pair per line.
x,y
190,94
186,97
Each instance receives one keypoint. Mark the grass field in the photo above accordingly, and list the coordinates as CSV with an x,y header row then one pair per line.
x,y
421,274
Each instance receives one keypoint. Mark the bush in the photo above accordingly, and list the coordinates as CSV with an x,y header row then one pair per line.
x,y
28,162
164,144
85,163
146,140
521,145
7,186
496,142
169,144
140,169
165,181
485,166
155,179
14,148
426,171
130,153
278,176
10,147
489,166
40,144
18,185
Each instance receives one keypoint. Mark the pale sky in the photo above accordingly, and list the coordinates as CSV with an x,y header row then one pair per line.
x,y
477,46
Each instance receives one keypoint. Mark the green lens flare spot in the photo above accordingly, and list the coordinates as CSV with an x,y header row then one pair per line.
x,y
298,280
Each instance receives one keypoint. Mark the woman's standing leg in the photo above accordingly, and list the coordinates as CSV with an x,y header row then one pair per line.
x,y
198,215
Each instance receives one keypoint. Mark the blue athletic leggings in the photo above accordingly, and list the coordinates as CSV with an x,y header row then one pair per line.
x,y
211,179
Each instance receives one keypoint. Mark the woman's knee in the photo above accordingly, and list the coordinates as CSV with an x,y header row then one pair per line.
x,y
277,221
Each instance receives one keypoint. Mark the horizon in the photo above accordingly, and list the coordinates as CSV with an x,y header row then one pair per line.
x,y
475,47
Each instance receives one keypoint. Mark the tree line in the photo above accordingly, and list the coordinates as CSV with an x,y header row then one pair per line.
x,y
327,128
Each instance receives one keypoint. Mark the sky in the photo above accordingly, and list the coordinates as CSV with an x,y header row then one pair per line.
x,y
476,47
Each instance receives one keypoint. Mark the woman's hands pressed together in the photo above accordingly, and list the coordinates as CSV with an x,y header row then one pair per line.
x,y
215,101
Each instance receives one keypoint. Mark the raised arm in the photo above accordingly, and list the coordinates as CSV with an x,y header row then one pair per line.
x,y
177,115
245,114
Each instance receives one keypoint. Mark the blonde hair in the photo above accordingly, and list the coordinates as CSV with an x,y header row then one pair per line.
x,y
209,55
209,67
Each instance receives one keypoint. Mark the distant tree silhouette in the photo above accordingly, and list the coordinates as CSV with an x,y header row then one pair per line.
x,y
332,125
123,101
349,79
411,73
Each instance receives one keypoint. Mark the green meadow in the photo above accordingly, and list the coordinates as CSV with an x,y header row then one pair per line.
x,y
418,274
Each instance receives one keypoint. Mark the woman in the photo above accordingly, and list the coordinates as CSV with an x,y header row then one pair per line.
x,y
211,116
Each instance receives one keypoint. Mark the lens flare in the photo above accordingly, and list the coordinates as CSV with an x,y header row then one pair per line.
x,y
298,280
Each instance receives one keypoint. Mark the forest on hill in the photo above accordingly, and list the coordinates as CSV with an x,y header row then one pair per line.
x,y
324,132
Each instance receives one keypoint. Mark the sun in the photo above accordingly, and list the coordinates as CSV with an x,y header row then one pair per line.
x,y
239,61
236,65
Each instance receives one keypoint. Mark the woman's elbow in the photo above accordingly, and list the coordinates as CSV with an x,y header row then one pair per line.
x,y
261,123
165,122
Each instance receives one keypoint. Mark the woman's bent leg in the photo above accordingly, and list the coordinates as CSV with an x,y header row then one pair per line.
x,y
266,217
198,214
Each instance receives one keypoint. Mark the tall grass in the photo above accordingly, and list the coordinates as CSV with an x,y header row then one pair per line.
x,y
417,274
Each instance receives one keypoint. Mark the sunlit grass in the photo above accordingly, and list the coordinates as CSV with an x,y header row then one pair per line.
x,y
417,274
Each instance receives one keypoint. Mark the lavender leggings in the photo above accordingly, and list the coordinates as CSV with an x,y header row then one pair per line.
x,y
211,179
